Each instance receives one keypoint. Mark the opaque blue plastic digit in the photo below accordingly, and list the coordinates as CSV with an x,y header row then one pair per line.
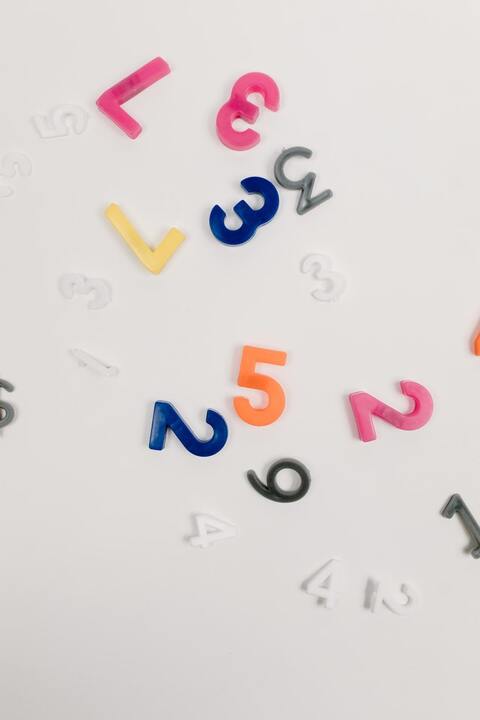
x,y
252,219
166,416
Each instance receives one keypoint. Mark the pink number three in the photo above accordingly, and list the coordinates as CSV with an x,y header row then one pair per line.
x,y
238,106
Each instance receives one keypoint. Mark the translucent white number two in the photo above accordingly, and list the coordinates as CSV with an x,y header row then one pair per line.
x,y
325,583
210,530
403,603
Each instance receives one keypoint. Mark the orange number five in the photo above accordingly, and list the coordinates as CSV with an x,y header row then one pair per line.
x,y
249,378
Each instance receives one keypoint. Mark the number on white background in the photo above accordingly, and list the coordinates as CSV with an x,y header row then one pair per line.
x,y
332,284
84,359
210,530
324,584
55,123
12,164
71,284
392,600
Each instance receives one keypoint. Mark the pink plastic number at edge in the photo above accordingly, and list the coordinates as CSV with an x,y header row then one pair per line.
x,y
239,107
365,406
110,101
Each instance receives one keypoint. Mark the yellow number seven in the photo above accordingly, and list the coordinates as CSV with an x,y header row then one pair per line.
x,y
154,260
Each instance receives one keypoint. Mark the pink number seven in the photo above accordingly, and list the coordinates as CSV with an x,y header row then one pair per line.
x,y
110,101
365,406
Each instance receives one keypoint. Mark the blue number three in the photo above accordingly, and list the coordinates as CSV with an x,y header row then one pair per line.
x,y
252,219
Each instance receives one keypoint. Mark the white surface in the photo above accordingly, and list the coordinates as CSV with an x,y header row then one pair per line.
x,y
105,610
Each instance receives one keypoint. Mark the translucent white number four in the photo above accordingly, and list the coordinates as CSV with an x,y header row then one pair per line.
x,y
325,583
210,530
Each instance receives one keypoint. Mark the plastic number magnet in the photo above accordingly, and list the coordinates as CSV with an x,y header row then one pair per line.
x,y
7,412
324,584
332,283
457,505
55,124
154,260
272,490
248,377
365,406
165,416
252,219
12,164
378,596
239,107
72,284
476,345
210,530
305,202
110,101
84,359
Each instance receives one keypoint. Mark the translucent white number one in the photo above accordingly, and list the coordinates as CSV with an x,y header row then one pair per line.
x,y
325,583
392,601
210,530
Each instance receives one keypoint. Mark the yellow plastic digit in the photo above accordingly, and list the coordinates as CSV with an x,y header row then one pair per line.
x,y
154,260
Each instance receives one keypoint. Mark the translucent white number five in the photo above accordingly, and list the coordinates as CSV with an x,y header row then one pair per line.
x,y
55,123
325,583
210,530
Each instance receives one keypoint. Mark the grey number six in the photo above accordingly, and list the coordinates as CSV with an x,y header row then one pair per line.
x,y
272,490
8,413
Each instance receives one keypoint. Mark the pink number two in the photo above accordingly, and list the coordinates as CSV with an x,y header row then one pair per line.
x,y
365,406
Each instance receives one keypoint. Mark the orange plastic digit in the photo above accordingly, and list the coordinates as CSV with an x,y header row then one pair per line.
x,y
249,378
